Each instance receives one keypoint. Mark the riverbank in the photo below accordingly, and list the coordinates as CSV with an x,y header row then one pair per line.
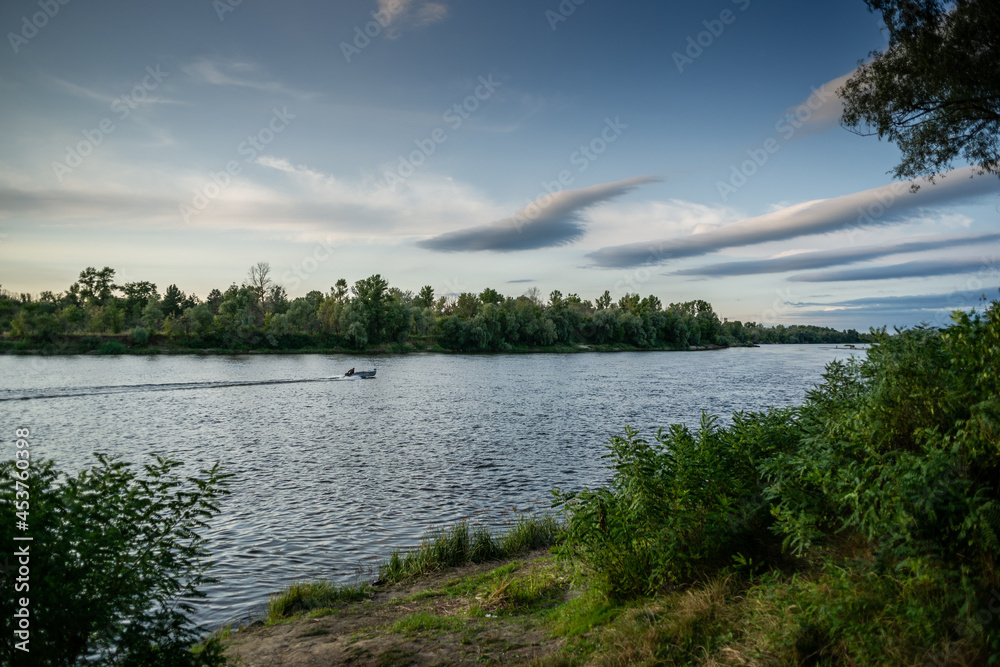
x,y
460,616
121,345
540,609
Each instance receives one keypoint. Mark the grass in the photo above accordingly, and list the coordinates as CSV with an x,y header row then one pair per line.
x,y
311,597
423,622
461,544
443,549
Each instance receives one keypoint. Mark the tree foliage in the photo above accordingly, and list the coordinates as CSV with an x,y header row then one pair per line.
x,y
116,560
372,313
880,492
935,91
899,452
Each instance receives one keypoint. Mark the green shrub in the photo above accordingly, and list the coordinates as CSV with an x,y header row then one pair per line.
x,y
115,561
112,347
679,507
904,447
893,459
140,336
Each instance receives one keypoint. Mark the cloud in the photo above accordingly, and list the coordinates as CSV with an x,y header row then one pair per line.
x,y
825,258
271,196
915,269
397,14
553,220
888,204
821,111
239,74
959,299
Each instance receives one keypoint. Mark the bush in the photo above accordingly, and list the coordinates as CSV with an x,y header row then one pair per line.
x,y
892,463
680,507
112,347
904,447
140,336
114,563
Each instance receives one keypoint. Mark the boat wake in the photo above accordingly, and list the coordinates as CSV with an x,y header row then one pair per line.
x,y
74,392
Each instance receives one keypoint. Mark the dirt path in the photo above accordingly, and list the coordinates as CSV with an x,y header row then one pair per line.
x,y
481,614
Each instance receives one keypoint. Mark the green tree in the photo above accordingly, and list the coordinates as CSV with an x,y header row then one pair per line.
x,y
935,91
95,287
117,557
172,300
214,300
424,298
277,300
302,317
467,305
603,301
238,314
490,295
371,297
201,319
137,295
152,315
339,291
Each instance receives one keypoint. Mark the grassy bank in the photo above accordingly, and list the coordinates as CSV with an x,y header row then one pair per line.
x,y
542,608
860,528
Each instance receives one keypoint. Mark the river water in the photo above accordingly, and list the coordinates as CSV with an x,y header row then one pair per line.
x,y
331,474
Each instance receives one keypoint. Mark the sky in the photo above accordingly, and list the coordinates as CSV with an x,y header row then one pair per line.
x,y
686,150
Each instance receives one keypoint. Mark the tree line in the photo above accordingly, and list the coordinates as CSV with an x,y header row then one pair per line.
x,y
259,314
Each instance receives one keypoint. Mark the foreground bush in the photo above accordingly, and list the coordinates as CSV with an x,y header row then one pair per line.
x,y
894,459
115,561
677,508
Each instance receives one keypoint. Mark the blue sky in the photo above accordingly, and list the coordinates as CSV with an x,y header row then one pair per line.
x,y
687,150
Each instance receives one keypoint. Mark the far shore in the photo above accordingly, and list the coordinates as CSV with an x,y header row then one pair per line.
x,y
100,348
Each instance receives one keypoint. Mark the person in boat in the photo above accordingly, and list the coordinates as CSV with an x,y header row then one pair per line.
x,y
349,373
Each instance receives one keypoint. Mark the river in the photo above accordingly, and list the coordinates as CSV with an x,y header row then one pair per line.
x,y
331,475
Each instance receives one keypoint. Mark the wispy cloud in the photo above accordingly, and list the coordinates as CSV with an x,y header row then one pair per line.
x,y
884,205
826,258
271,196
915,269
554,220
917,302
819,112
397,15
239,74
105,99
